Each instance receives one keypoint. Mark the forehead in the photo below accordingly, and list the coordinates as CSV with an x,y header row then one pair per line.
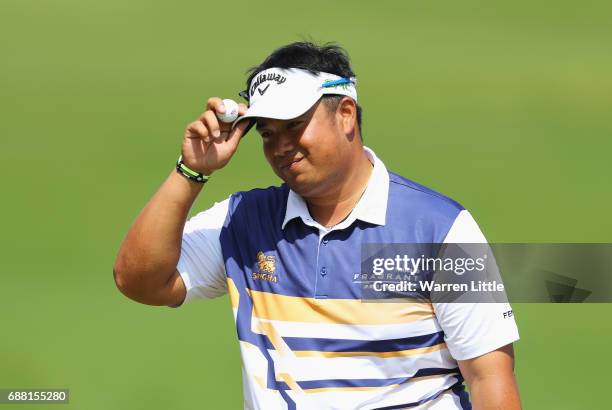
x,y
261,122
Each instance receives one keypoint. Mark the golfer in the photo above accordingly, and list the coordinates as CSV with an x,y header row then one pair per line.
x,y
287,255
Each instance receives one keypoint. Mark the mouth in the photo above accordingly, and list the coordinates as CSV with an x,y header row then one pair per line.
x,y
290,164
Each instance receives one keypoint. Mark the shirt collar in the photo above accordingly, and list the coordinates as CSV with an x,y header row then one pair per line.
x,y
371,207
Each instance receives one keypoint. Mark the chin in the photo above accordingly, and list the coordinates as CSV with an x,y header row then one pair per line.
x,y
298,184
304,187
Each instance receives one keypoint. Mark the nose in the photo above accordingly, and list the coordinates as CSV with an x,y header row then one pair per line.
x,y
284,144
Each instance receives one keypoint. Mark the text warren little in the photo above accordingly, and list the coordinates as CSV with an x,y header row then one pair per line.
x,y
432,286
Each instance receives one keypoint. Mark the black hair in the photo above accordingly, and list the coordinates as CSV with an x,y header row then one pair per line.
x,y
329,58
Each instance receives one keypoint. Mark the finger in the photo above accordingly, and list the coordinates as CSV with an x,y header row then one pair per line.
x,y
215,104
234,138
242,109
198,130
240,129
209,118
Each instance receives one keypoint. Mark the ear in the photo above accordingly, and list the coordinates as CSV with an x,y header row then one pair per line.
x,y
347,115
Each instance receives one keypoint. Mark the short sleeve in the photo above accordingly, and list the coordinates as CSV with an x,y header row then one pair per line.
x,y
473,329
201,264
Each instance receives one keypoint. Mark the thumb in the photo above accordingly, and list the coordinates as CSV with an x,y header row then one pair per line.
x,y
241,128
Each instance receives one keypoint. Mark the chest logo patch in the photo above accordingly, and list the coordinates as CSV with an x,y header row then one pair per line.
x,y
266,266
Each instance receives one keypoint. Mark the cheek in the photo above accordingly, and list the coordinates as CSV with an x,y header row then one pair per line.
x,y
267,150
323,145
313,141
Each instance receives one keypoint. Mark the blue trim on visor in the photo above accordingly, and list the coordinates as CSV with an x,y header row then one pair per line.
x,y
337,82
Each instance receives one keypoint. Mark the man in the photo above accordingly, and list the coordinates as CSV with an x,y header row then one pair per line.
x,y
287,256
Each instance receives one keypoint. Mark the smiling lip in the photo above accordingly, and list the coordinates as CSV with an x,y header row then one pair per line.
x,y
288,165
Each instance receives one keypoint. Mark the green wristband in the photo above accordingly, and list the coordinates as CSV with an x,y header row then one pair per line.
x,y
189,173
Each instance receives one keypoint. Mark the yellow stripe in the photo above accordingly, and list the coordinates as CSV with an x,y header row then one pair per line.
x,y
285,353
364,388
339,311
286,377
233,293
260,380
261,383
275,338
295,387
400,353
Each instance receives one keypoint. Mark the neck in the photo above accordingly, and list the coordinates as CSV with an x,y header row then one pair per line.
x,y
333,207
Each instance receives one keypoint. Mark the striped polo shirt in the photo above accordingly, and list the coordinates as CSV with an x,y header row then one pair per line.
x,y
307,339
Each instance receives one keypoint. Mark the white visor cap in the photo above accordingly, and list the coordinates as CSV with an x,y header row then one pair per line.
x,y
286,93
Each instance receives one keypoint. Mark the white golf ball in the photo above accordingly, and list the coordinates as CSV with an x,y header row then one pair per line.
x,y
231,111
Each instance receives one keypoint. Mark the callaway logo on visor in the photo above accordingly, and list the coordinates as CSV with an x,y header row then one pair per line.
x,y
261,92
261,78
285,93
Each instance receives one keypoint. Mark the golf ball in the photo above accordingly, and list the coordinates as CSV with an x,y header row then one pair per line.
x,y
231,111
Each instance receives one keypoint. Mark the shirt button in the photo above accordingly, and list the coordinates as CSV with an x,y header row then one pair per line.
x,y
323,271
325,241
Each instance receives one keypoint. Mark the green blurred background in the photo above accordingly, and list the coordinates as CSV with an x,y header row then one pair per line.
x,y
504,106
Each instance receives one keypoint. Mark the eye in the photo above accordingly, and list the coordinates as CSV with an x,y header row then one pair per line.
x,y
295,124
265,135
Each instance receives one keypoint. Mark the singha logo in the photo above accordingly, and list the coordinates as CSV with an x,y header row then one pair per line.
x,y
266,263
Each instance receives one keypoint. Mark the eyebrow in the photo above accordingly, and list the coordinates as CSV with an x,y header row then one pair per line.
x,y
259,126
305,116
